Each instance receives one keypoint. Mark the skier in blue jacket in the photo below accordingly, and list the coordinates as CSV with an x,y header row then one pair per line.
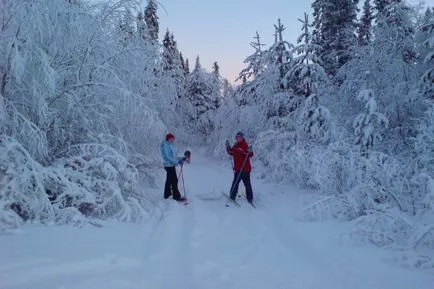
x,y
170,161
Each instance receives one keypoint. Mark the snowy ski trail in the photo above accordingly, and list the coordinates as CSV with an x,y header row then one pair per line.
x,y
203,245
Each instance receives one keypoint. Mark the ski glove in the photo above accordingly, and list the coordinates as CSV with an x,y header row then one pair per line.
x,y
227,144
250,150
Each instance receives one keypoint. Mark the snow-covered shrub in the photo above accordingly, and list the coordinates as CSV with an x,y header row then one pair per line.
x,y
8,218
106,181
18,126
367,124
381,229
424,238
330,208
70,216
22,188
273,153
315,120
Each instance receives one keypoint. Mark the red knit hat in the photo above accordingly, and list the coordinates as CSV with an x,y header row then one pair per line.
x,y
169,136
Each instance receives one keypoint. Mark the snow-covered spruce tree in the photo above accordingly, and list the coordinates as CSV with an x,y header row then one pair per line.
x,y
334,30
216,94
422,182
306,74
367,125
255,67
151,19
392,62
173,64
279,55
227,90
187,67
142,29
425,37
199,103
422,188
199,89
255,61
380,6
267,90
126,26
395,58
306,78
364,30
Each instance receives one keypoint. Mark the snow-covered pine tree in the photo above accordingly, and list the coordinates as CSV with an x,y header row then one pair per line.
x,y
172,63
315,121
169,52
199,104
306,74
391,59
126,26
368,125
255,65
216,68
279,56
305,78
187,67
334,30
365,24
424,141
396,28
426,37
197,65
181,57
380,5
227,90
142,30
151,19
216,85
199,90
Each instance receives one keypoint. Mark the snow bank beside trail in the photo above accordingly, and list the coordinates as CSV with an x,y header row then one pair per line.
x,y
91,181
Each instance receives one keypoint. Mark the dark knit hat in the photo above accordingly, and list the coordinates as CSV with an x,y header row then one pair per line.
x,y
239,134
169,136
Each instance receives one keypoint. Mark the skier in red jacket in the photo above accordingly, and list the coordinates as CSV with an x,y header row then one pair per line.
x,y
242,166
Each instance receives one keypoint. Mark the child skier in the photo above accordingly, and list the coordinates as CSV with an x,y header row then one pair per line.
x,y
170,161
241,153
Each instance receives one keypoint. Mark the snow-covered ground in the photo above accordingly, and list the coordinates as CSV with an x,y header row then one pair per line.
x,y
202,245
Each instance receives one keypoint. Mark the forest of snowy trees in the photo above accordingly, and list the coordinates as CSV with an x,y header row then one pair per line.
x,y
348,111
88,90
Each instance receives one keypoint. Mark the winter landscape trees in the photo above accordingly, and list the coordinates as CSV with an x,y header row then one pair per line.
x,y
353,118
87,91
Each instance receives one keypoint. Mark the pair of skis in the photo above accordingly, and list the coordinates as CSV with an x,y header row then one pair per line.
x,y
230,201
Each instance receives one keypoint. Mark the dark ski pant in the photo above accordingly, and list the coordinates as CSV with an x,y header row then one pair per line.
x,y
171,186
245,177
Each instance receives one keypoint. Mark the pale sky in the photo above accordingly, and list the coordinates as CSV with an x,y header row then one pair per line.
x,y
221,30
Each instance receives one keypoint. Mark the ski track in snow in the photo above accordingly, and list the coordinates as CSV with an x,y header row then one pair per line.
x,y
202,245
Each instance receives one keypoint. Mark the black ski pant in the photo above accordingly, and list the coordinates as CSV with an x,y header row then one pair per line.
x,y
245,177
171,186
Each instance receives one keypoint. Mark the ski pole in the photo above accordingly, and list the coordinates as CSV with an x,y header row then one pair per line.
x,y
181,175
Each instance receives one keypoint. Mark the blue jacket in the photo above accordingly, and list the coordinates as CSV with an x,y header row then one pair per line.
x,y
168,154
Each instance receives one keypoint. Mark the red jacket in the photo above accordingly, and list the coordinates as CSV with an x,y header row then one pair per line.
x,y
240,151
